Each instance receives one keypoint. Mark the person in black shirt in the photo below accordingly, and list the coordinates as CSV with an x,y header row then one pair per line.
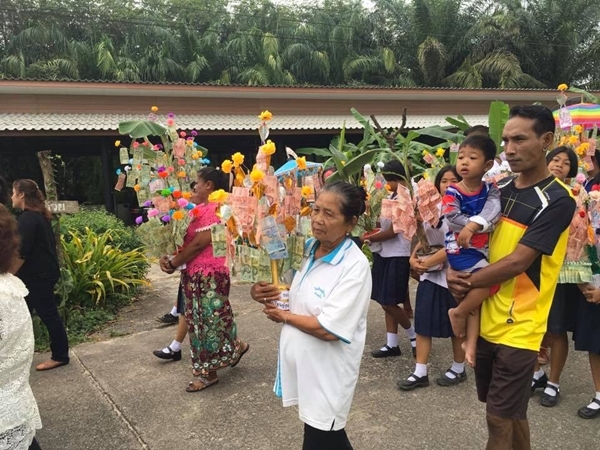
x,y
4,192
38,266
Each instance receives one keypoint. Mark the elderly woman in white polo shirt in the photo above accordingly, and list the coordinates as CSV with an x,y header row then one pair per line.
x,y
323,336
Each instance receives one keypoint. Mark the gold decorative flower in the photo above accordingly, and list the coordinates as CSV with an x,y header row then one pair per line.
x,y
562,87
154,109
578,129
238,159
265,115
257,175
227,166
306,191
301,162
219,196
117,143
573,140
268,148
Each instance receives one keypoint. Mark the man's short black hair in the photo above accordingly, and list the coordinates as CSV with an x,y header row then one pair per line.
x,y
393,170
483,143
481,130
543,120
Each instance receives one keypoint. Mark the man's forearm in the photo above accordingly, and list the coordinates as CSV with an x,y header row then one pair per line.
x,y
497,273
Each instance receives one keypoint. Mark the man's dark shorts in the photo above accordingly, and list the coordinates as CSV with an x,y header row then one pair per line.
x,y
503,375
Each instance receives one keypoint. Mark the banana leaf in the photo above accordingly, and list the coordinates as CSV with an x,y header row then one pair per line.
x,y
141,128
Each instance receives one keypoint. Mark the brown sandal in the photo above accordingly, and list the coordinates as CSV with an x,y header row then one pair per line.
x,y
200,384
242,353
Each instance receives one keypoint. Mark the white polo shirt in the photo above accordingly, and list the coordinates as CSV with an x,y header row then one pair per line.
x,y
320,376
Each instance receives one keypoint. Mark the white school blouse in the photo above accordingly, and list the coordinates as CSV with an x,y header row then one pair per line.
x,y
19,416
320,376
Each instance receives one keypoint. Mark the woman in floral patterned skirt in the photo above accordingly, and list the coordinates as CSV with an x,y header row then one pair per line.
x,y
205,280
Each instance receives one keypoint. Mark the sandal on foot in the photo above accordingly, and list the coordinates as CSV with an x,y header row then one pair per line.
x,y
445,380
242,353
50,364
200,384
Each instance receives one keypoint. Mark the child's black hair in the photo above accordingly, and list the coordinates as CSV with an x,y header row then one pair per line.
x,y
217,177
573,162
440,175
477,130
482,143
393,170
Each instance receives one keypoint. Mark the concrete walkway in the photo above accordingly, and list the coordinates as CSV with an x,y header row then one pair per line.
x,y
116,395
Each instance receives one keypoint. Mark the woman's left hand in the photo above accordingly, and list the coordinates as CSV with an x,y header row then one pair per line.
x,y
592,294
275,314
164,265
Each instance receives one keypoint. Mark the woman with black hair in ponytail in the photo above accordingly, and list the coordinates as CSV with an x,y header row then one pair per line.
x,y
205,285
38,266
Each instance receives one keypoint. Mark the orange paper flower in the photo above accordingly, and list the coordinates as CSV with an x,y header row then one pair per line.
x,y
178,215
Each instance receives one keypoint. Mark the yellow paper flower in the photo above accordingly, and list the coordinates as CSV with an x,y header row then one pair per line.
x,y
562,87
219,196
227,166
117,143
265,115
578,129
238,159
425,175
580,150
585,146
301,162
178,215
256,175
306,191
440,152
573,140
268,148
154,109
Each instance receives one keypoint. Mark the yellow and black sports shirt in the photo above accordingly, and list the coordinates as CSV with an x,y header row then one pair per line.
x,y
538,217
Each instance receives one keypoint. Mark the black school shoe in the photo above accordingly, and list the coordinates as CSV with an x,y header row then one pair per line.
x,y
539,383
445,380
168,319
589,413
175,356
409,385
389,351
550,400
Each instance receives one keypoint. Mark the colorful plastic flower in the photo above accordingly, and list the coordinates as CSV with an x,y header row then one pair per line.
x,y
578,129
227,166
301,162
378,184
170,122
177,194
182,134
268,148
178,215
181,174
219,196
154,109
186,195
181,162
256,175
265,115
139,220
135,144
117,143
137,188
562,87
153,212
194,133
238,159
182,202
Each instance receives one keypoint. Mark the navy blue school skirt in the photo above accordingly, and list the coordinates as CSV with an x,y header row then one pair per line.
x,y
587,327
390,279
431,310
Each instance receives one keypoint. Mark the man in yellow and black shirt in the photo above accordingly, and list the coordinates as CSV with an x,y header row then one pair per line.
x,y
526,252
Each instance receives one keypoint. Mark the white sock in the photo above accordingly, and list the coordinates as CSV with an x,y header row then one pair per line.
x,y
410,332
420,371
550,391
457,367
594,405
175,346
392,340
174,311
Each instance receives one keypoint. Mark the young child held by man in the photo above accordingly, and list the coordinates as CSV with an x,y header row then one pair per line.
x,y
471,208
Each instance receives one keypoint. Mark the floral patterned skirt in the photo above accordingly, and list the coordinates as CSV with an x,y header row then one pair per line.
x,y
212,329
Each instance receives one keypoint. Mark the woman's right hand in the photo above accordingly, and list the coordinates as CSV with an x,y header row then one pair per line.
x,y
418,266
264,292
